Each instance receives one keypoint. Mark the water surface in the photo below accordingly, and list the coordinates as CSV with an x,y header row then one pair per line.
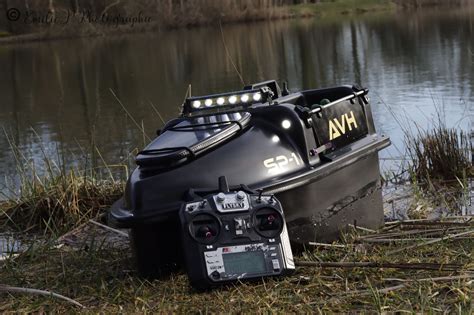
x,y
57,96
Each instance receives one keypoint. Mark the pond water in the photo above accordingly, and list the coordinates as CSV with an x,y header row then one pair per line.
x,y
57,101
8,246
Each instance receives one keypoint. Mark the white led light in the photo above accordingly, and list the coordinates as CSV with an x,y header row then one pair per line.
x,y
257,97
197,104
233,99
275,139
220,101
286,124
208,102
244,98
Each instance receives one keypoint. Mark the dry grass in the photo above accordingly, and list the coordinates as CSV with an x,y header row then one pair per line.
x,y
99,275
102,279
441,170
53,199
59,203
418,266
434,269
441,154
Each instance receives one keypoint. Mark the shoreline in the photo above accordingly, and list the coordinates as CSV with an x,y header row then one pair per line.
x,y
73,25
157,22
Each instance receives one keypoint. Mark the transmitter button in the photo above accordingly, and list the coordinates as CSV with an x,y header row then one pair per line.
x,y
241,195
215,275
276,264
220,197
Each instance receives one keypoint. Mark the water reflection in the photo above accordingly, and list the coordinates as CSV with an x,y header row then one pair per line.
x,y
56,96
8,246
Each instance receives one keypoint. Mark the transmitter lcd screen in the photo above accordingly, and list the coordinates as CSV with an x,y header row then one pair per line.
x,y
244,262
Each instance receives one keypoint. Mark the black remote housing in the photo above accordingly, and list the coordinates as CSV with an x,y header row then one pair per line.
x,y
234,235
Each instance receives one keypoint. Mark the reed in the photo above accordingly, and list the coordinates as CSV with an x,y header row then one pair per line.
x,y
441,154
59,203
53,198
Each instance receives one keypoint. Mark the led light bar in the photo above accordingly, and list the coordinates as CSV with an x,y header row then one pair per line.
x,y
225,101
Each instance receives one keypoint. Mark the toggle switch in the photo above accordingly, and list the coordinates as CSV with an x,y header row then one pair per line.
x,y
240,225
241,195
220,197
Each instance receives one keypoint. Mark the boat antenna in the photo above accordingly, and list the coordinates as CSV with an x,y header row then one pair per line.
x,y
285,90
223,185
228,54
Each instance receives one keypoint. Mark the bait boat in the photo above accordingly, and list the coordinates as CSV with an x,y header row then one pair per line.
x,y
316,150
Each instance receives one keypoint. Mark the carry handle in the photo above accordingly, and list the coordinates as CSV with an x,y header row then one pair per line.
x,y
345,98
165,150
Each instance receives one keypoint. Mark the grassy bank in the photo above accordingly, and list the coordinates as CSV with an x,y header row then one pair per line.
x,y
341,8
416,266
66,19
429,278
429,3
53,199
58,204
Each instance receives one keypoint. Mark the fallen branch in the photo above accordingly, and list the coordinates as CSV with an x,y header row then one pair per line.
x,y
394,240
467,222
435,279
363,229
72,232
409,227
109,228
436,240
405,284
369,264
6,288
327,245
388,227
391,240
393,235
411,232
